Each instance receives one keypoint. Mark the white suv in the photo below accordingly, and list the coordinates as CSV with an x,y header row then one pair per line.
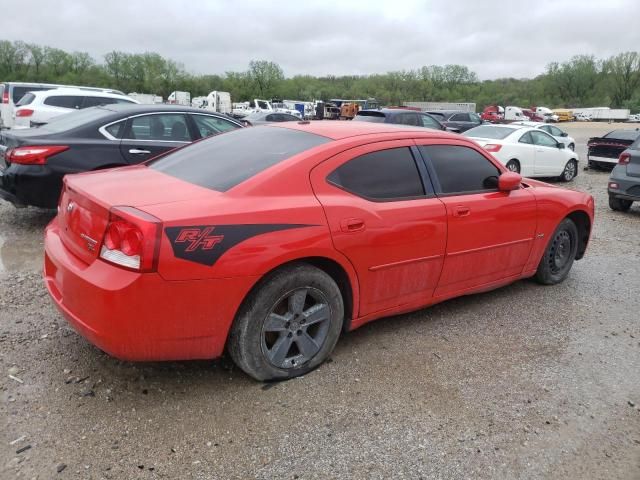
x,y
37,108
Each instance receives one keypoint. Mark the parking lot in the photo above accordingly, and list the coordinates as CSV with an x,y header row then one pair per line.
x,y
523,382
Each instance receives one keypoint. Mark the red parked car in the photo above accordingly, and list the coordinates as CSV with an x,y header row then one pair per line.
x,y
269,242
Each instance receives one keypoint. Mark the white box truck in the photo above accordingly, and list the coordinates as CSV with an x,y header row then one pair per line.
x,y
179,98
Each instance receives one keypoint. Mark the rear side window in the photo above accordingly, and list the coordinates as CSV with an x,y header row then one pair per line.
x,y
209,125
26,99
385,175
460,117
165,127
64,101
96,101
223,161
374,117
461,169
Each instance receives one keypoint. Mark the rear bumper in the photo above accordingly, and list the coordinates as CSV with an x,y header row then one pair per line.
x,y
628,187
596,159
35,185
141,317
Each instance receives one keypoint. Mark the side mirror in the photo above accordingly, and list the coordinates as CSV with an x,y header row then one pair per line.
x,y
565,134
560,145
509,181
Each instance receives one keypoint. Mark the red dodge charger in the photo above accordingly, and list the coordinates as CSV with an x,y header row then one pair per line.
x,y
270,241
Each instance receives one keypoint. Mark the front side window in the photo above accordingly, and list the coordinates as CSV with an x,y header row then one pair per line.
x,y
384,175
555,131
460,117
64,101
429,122
543,139
208,126
167,127
461,170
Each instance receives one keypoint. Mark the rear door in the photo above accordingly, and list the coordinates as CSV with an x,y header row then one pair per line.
x,y
490,233
461,121
149,135
385,220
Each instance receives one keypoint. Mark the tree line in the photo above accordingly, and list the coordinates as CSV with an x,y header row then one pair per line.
x,y
582,81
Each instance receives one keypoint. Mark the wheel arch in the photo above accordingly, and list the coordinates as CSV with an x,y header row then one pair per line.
x,y
583,224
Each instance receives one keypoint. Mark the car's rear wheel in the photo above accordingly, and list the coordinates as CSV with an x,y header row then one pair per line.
x,y
570,171
513,165
288,325
619,204
559,255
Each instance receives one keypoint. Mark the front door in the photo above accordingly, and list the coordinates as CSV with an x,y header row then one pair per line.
x,y
147,136
548,161
490,233
385,220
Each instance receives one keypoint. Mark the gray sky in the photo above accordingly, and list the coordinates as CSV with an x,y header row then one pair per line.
x,y
495,38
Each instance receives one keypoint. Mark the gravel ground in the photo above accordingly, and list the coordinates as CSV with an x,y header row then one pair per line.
x,y
522,382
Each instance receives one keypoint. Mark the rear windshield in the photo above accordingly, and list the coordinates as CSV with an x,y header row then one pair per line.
x,y
375,117
75,119
623,134
26,100
488,131
224,161
19,91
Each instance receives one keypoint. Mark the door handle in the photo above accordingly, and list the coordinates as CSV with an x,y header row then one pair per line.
x,y
461,211
136,151
351,225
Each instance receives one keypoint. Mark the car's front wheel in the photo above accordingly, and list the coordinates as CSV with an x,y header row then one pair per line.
x,y
570,171
559,255
619,204
288,325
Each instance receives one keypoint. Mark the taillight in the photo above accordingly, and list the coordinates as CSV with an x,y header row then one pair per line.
x,y
492,147
624,158
5,96
24,112
33,155
132,239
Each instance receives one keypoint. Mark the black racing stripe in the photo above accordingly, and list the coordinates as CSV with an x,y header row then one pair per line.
x,y
205,244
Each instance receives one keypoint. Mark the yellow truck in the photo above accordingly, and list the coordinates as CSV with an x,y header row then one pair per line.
x,y
564,115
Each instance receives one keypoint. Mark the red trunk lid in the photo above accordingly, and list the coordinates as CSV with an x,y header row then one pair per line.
x,y
88,197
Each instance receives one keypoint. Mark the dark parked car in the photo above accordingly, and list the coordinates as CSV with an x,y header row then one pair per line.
x,y
624,181
457,120
33,161
603,152
260,118
401,116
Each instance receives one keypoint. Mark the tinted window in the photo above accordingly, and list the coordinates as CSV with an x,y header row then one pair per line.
x,y
64,101
223,161
555,131
439,115
96,101
169,127
375,117
18,91
623,134
407,119
429,122
208,126
385,175
460,117
543,139
475,117
26,99
117,129
272,117
461,169
489,131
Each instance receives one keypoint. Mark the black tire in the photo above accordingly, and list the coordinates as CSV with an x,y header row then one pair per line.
x,y
254,344
513,165
559,255
570,171
619,204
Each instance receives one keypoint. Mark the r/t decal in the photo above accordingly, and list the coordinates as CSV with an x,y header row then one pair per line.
x,y
198,238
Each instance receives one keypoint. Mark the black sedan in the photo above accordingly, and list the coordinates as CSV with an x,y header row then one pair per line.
x,y
33,161
456,119
401,116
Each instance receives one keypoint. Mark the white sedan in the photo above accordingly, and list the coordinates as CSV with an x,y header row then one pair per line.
x,y
555,132
527,150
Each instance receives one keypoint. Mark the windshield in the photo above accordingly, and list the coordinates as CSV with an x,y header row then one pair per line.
x,y
623,134
222,162
489,131
75,119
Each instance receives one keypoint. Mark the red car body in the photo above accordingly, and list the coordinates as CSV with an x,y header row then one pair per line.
x,y
208,249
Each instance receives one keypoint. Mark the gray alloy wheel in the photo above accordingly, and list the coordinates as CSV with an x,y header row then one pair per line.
x,y
513,166
570,171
